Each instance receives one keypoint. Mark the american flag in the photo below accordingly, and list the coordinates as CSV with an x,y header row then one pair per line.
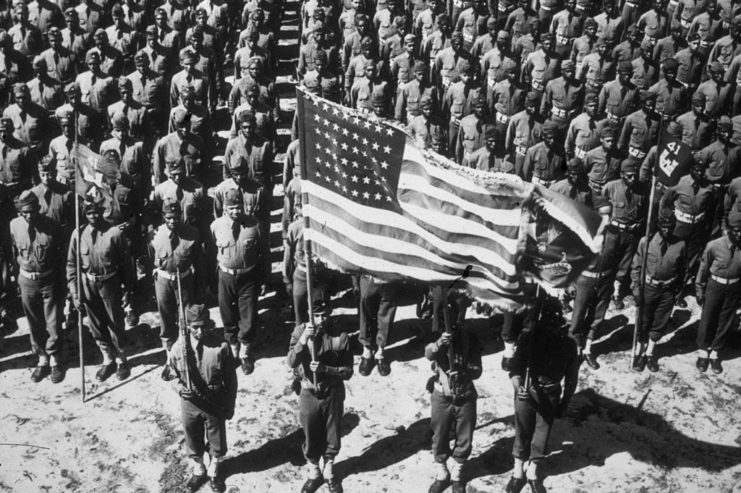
x,y
376,204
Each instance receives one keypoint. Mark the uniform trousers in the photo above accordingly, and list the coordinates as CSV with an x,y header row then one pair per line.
x,y
658,303
238,298
102,301
377,311
591,301
321,416
695,237
718,314
533,421
166,291
447,416
620,247
199,424
42,302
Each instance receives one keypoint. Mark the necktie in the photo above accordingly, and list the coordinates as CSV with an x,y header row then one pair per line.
x,y
93,79
664,246
121,150
56,58
235,230
174,241
31,234
93,236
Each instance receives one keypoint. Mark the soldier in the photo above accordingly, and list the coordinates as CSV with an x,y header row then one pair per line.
x,y
671,96
207,395
545,162
205,92
135,112
458,102
717,291
107,278
26,37
619,97
456,362
55,199
645,69
696,127
585,44
628,199
97,89
148,89
410,94
200,120
665,256
506,98
671,45
321,359
641,128
159,57
188,192
30,121
62,63
131,154
630,49
542,64
492,156
544,358
179,144
243,258
565,26
450,63
402,64
74,38
524,130
602,163
471,131
425,127
175,251
692,200
45,91
257,151
563,97
60,147
598,67
691,63
370,85
111,60
654,23
584,130
15,171
575,186
91,124
38,247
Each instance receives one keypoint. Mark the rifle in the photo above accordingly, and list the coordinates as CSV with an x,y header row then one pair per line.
x,y
183,332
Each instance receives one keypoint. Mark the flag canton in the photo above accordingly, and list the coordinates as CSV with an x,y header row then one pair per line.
x,y
352,154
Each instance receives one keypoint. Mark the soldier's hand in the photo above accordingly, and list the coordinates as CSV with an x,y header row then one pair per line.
x,y
444,339
187,394
522,393
317,367
309,331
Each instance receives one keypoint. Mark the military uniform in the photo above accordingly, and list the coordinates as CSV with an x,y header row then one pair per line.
x,y
453,401
294,272
207,397
107,273
321,397
524,131
173,146
377,311
544,165
639,133
665,258
39,246
175,252
243,259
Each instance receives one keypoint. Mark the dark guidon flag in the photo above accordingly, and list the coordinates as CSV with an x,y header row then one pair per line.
x,y
378,205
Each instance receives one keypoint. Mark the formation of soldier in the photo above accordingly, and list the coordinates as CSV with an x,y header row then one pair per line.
x,y
570,95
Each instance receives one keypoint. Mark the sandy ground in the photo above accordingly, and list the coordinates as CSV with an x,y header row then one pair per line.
x,y
674,431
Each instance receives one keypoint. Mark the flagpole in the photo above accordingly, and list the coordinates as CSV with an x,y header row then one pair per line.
x,y
646,237
304,200
77,254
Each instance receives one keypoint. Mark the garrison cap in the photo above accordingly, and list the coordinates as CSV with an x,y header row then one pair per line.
x,y
48,164
734,219
171,207
119,121
233,196
629,166
197,315
28,200
670,64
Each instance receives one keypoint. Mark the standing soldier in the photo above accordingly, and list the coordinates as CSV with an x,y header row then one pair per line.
x,y
563,97
320,356
618,98
175,251
544,358
692,201
456,361
458,102
492,156
106,268
584,131
410,94
206,382
428,127
377,310
471,131
506,98
718,292
598,67
243,258
665,257
545,162
179,144
55,199
542,64
641,128
524,130
628,198
38,246
671,95
188,192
